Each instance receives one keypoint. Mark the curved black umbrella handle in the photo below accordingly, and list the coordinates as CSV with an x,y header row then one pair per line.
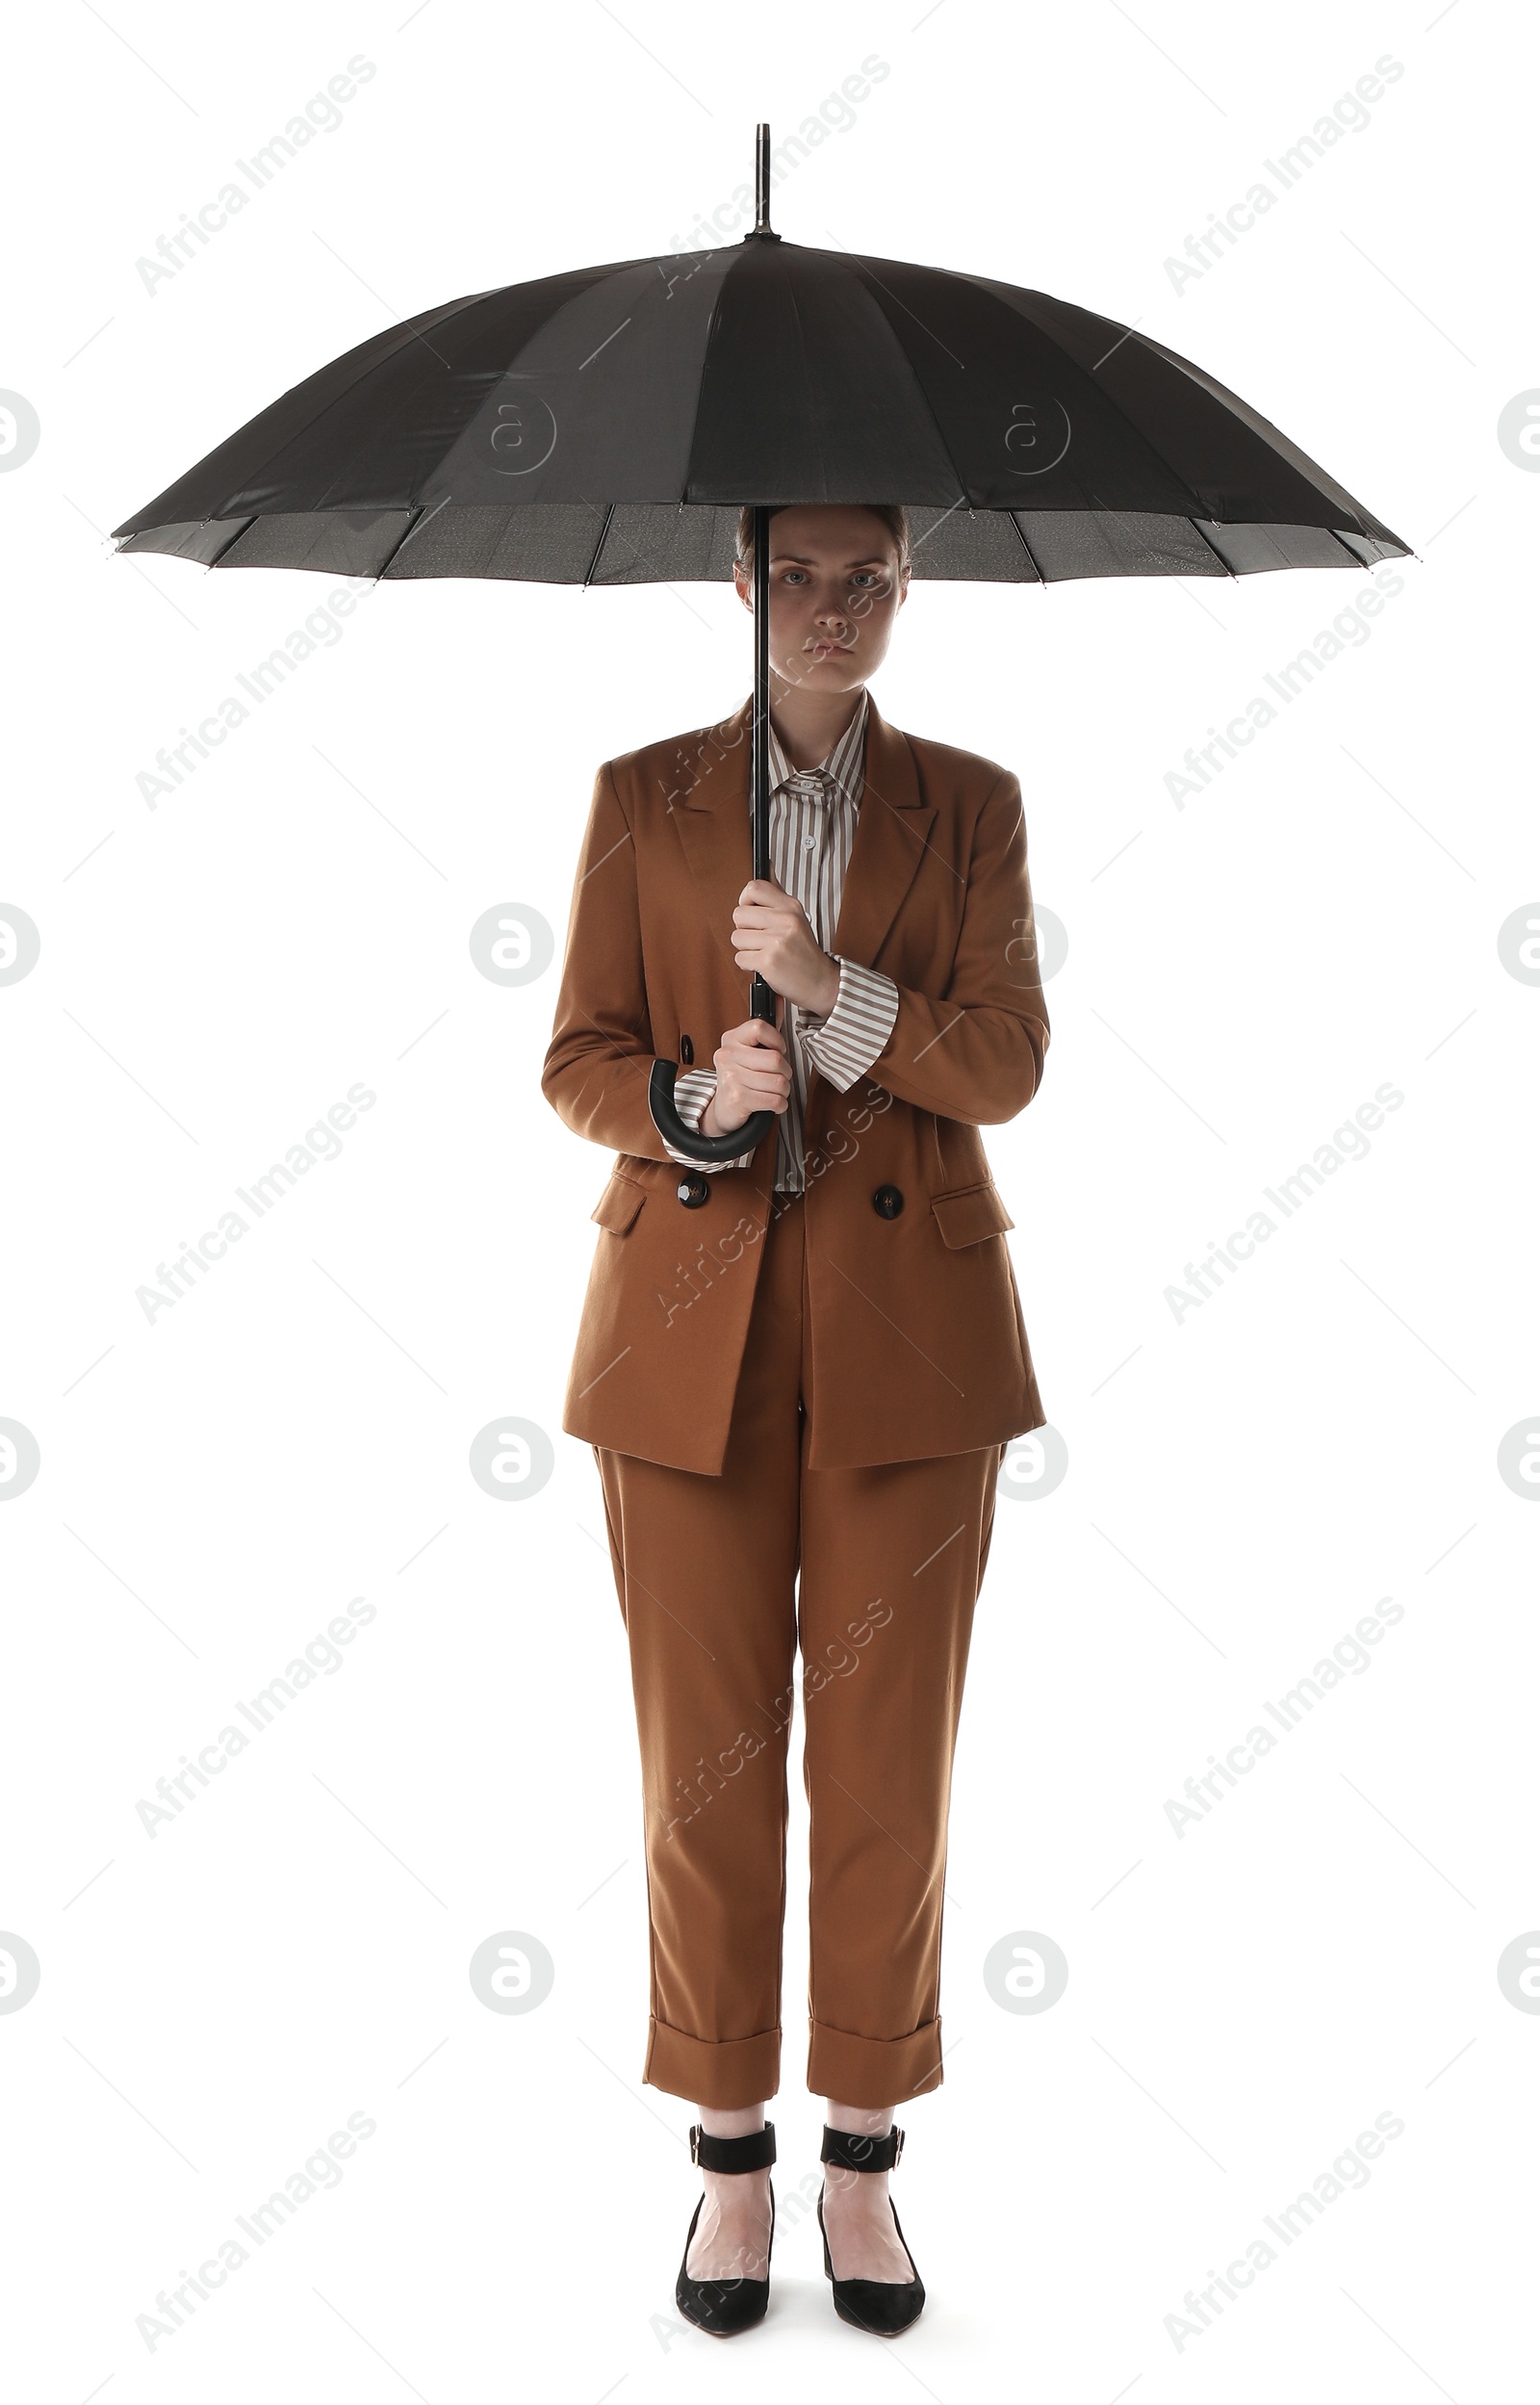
x,y
668,1122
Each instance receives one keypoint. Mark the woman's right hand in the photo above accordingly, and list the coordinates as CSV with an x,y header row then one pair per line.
x,y
753,1074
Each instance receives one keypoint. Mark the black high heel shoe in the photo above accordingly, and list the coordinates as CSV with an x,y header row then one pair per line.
x,y
724,2307
881,2307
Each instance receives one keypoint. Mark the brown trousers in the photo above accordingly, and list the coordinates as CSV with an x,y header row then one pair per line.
x,y
892,1559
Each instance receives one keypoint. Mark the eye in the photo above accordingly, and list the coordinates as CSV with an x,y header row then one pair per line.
x,y
794,575
870,577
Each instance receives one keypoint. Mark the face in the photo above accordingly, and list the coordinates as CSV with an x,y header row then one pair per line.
x,y
836,587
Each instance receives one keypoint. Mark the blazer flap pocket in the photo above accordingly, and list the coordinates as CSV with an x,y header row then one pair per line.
x,y
970,1213
619,1203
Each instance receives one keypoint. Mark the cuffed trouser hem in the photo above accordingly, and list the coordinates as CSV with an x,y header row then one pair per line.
x,y
724,2072
873,2071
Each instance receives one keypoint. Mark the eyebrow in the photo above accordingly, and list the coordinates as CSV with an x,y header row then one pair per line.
x,y
798,560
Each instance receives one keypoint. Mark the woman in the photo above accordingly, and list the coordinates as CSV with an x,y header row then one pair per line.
x,y
810,1361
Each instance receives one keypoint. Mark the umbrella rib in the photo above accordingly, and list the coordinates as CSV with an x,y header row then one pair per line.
x,y
234,539
414,520
588,575
1027,547
1214,547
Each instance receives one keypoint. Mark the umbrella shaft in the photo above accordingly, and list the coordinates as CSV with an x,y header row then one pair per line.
x,y
761,997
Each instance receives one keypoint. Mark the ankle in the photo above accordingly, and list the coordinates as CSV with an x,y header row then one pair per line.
x,y
735,2121
859,2120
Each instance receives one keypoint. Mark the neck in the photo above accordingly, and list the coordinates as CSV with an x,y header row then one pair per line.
x,y
809,725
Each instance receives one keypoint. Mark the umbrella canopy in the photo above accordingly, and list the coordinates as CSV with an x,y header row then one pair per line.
x,y
603,428
606,426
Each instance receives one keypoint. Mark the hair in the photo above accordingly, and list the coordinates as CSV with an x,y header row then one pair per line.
x,y
892,514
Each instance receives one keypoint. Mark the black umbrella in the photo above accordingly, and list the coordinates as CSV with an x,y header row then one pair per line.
x,y
604,427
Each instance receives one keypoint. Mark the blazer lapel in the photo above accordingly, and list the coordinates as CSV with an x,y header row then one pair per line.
x,y
892,828
709,804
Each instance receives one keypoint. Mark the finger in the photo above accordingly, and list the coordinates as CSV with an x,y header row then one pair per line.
x,y
756,1050
756,1069
745,1105
767,1086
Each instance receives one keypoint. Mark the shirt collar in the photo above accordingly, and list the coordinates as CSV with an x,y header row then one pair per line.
x,y
844,766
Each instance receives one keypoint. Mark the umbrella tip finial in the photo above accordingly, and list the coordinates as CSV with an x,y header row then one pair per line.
x,y
761,187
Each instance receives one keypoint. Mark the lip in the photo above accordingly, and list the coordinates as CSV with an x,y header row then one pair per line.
x,y
833,651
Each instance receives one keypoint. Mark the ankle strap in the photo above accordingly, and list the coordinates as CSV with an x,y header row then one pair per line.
x,y
862,2154
754,2152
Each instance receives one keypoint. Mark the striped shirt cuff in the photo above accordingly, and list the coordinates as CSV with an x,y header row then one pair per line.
x,y
844,1046
691,1093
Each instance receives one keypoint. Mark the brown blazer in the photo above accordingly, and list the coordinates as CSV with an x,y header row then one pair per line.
x,y
918,1346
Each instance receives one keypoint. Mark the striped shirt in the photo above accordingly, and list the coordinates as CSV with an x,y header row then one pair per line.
x,y
812,827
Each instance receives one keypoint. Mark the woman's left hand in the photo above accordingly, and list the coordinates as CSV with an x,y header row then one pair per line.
x,y
771,933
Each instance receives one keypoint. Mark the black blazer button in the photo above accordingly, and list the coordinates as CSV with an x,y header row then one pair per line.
x,y
694,1190
888,1201
686,1051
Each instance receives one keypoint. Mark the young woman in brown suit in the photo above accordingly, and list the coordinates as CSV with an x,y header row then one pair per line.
x,y
799,1372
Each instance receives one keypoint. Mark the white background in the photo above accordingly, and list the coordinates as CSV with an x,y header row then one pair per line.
x,y
1242,1483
